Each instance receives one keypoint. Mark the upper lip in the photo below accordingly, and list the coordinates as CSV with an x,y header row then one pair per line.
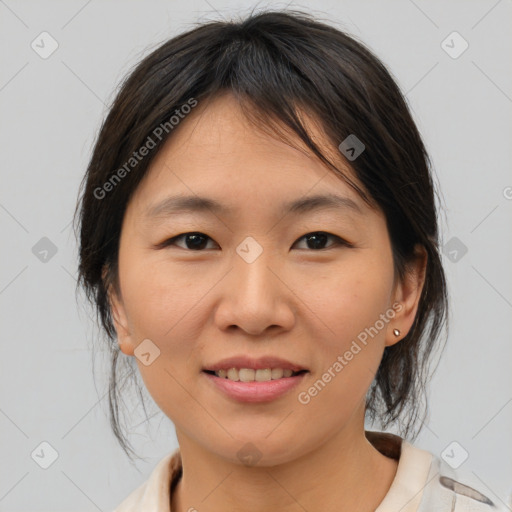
x,y
260,363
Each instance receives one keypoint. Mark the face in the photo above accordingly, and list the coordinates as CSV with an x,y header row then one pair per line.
x,y
314,286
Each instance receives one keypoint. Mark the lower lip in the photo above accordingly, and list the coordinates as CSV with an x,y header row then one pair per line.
x,y
255,391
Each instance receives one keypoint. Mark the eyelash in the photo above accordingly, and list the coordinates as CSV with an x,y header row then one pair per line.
x,y
339,241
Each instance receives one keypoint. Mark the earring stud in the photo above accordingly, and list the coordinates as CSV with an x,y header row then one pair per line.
x,y
396,332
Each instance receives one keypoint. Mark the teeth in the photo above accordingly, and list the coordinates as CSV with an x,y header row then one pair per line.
x,y
251,375
277,373
232,374
246,375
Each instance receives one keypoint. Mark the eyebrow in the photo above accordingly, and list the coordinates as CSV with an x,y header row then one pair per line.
x,y
175,205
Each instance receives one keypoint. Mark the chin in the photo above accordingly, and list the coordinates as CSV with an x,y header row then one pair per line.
x,y
257,451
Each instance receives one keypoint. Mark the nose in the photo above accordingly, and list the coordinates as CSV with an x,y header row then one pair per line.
x,y
254,296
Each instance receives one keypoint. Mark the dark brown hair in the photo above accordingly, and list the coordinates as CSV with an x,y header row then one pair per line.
x,y
277,63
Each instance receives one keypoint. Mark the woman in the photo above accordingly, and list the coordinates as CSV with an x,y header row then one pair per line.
x,y
259,234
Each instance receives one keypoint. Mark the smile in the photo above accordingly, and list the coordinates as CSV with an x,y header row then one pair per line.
x,y
249,390
252,375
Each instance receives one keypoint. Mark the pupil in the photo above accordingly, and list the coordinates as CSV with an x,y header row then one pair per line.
x,y
197,241
320,236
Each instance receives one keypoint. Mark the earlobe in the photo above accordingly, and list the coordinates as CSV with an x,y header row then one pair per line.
x,y
120,323
120,320
407,294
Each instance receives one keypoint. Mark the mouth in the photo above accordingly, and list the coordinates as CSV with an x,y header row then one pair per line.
x,y
254,375
245,380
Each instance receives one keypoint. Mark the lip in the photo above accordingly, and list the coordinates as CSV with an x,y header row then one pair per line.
x,y
243,361
250,392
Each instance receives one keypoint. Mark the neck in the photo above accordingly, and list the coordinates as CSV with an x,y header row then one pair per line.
x,y
345,473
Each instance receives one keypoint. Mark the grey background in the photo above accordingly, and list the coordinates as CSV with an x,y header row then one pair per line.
x,y
51,110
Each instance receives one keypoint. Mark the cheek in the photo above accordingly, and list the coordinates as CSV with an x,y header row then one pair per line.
x,y
161,298
164,307
350,299
347,351
348,310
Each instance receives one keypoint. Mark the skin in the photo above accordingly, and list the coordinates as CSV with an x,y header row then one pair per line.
x,y
294,301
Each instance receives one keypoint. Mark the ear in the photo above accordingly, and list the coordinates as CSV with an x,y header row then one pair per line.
x,y
407,293
124,337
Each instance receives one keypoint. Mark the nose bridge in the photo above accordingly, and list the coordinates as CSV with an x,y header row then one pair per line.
x,y
251,267
254,298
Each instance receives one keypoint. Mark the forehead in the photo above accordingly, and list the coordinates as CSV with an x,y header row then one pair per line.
x,y
222,129
217,152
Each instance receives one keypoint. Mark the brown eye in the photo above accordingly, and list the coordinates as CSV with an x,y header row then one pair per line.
x,y
193,241
196,241
318,239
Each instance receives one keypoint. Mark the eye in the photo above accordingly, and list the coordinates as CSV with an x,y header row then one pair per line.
x,y
193,241
317,240
197,241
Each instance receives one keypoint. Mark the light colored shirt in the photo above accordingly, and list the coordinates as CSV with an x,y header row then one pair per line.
x,y
423,483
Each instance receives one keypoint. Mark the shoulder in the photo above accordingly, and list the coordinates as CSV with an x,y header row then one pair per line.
x,y
450,490
133,501
427,483
155,492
